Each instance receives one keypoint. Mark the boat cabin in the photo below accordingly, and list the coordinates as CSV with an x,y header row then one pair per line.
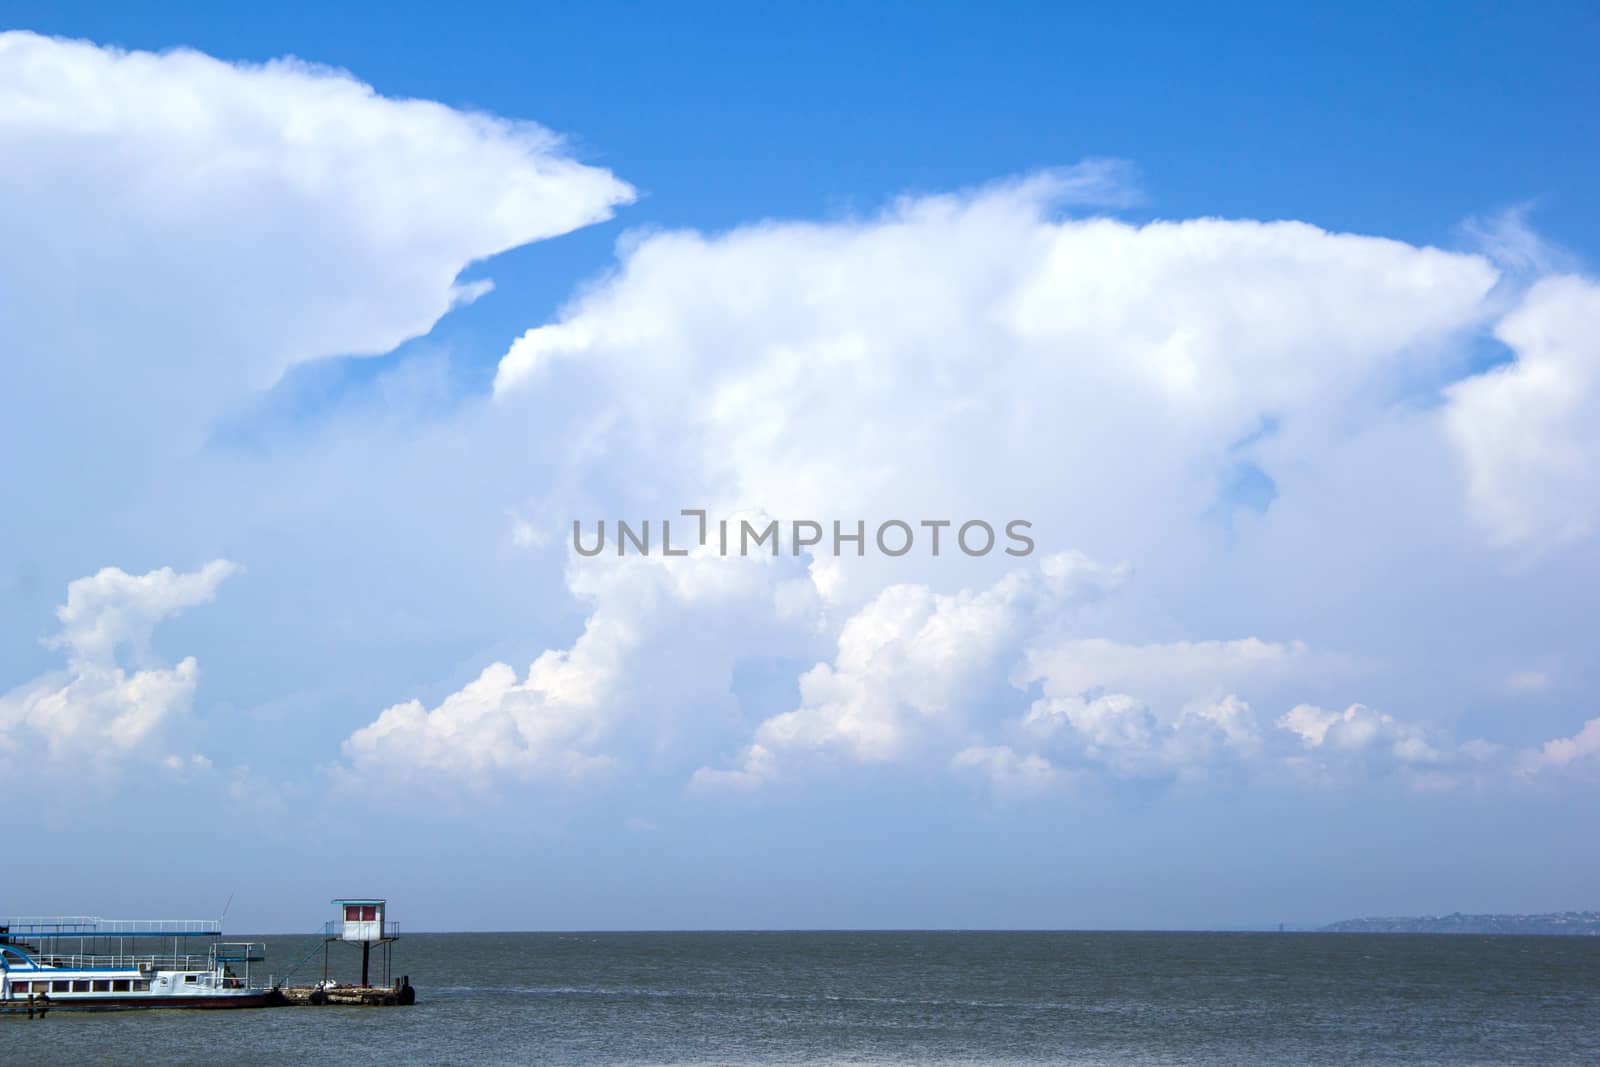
x,y
363,920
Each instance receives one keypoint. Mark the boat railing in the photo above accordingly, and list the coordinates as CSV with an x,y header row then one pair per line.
x,y
95,926
239,951
126,962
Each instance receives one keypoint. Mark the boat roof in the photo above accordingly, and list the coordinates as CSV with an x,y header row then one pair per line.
x,y
95,926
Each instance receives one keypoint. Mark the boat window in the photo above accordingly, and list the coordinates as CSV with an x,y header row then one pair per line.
x,y
119,985
141,985
191,977
80,985
60,986
19,987
102,985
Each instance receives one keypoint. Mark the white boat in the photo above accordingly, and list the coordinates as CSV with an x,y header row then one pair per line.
x,y
89,963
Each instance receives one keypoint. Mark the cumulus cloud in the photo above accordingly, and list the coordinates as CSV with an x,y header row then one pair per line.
x,y
1529,431
661,638
957,353
1120,735
1123,736
658,644
113,609
1361,744
497,722
918,673
1114,729
913,664
338,218
988,353
96,708
181,230
1160,710
1228,721
1357,729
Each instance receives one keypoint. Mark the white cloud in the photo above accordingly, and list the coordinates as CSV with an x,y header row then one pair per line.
x,y
1357,727
1529,432
913,664
658,643
1581,747
1118,735
112,609
1228,720
919,672
972,354
1157,710
1121,735
1006,771
1360,743
979,354
97,709
1114,729
292,211
179,230
678,284
495,722
958,353
1175,670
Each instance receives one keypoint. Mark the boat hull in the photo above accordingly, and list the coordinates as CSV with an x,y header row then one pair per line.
x,y
264,998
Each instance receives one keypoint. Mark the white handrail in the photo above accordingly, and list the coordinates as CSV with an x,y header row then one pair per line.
x,y
94,925
83,961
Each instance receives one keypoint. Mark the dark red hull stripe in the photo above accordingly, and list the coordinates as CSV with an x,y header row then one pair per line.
x,y
65,1002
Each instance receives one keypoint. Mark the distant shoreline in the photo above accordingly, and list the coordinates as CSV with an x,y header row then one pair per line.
x,y
1559,924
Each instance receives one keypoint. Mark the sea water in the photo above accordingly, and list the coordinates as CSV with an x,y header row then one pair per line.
x,y
896,997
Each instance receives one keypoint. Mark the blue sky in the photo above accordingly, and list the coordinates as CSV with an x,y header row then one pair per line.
x,y
1279,330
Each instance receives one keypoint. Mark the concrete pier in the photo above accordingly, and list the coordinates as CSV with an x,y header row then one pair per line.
x,y
401,994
